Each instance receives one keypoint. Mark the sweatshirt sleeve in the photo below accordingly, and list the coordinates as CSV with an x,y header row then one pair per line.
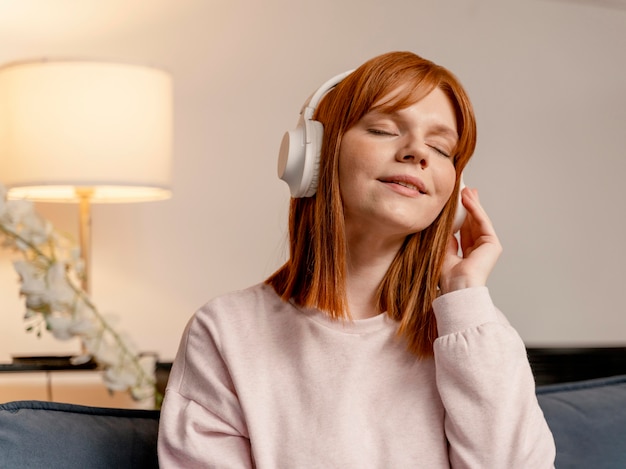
x,y
201,421
492,417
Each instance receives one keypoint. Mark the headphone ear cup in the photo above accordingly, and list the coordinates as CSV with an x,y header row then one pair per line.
x,y
291,158
299,158
300,149
313,151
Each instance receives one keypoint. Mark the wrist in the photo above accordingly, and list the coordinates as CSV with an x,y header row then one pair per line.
x,y
459,283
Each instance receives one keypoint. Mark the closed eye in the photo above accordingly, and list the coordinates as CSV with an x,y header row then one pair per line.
x,y
440,151
380,132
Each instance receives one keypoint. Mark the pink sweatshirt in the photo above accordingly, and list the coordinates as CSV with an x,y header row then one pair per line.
x,y
259,382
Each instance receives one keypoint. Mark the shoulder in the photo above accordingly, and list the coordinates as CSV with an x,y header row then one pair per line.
x,y
234,320
258,294
252,309
242,304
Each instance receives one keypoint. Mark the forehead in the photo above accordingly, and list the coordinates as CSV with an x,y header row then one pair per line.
x,y
434,104
400,97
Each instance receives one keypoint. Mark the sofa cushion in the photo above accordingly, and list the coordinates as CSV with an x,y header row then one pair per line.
x,y
51,435
588,421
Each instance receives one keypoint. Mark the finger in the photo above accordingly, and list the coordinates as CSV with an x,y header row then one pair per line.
x,y
478,229
477,215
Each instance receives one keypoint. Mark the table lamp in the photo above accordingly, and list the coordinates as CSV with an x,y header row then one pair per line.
x,y
85,132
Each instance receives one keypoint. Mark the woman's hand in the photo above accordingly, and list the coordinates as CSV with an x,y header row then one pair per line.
x,y
480,248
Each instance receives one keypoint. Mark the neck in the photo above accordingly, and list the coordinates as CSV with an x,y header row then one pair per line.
x,y
368,262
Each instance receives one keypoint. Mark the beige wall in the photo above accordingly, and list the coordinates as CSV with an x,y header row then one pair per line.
x,y
547,79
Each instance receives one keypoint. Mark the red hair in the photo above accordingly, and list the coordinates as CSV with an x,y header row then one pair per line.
x,y
314,275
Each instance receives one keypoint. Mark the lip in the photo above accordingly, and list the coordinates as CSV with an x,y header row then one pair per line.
x,y
405,184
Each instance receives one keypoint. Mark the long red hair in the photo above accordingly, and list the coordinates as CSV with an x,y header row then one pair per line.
x,y
314,275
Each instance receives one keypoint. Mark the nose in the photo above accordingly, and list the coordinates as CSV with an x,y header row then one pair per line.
x,y
414,152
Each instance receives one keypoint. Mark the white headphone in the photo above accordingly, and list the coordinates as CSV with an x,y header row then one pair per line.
x,y
299,154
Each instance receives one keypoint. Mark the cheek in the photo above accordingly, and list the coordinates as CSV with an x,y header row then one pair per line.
x,y
446,182
352,165
344,172
348,155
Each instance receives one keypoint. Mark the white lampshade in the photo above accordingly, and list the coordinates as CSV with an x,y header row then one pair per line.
x,y
105,127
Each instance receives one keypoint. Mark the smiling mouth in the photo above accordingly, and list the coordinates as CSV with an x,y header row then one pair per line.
x,y
410,186
406,184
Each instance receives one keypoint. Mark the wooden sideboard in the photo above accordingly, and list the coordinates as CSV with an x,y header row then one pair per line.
x,y
56,379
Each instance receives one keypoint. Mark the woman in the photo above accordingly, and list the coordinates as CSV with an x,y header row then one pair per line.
x,y
376,345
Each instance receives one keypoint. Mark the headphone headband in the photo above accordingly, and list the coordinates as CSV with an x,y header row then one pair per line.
x,y
309,107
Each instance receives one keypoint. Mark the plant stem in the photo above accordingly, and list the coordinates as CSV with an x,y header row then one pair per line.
x,y
125,352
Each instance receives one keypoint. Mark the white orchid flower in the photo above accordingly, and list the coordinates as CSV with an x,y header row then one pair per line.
x,y
85,327
14,212
120,377
65,327
80,359
66,251
60,327
33,284
105,353
33,229
28,273
48,275
91,344
59,293
140,393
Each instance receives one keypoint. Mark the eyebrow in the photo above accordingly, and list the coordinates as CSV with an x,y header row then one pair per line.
x,y
444,130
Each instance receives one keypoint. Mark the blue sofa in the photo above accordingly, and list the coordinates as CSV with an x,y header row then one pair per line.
x,y
588,421
51,435
587,418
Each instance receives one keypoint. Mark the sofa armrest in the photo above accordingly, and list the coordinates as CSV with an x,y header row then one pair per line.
x,y
55,435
